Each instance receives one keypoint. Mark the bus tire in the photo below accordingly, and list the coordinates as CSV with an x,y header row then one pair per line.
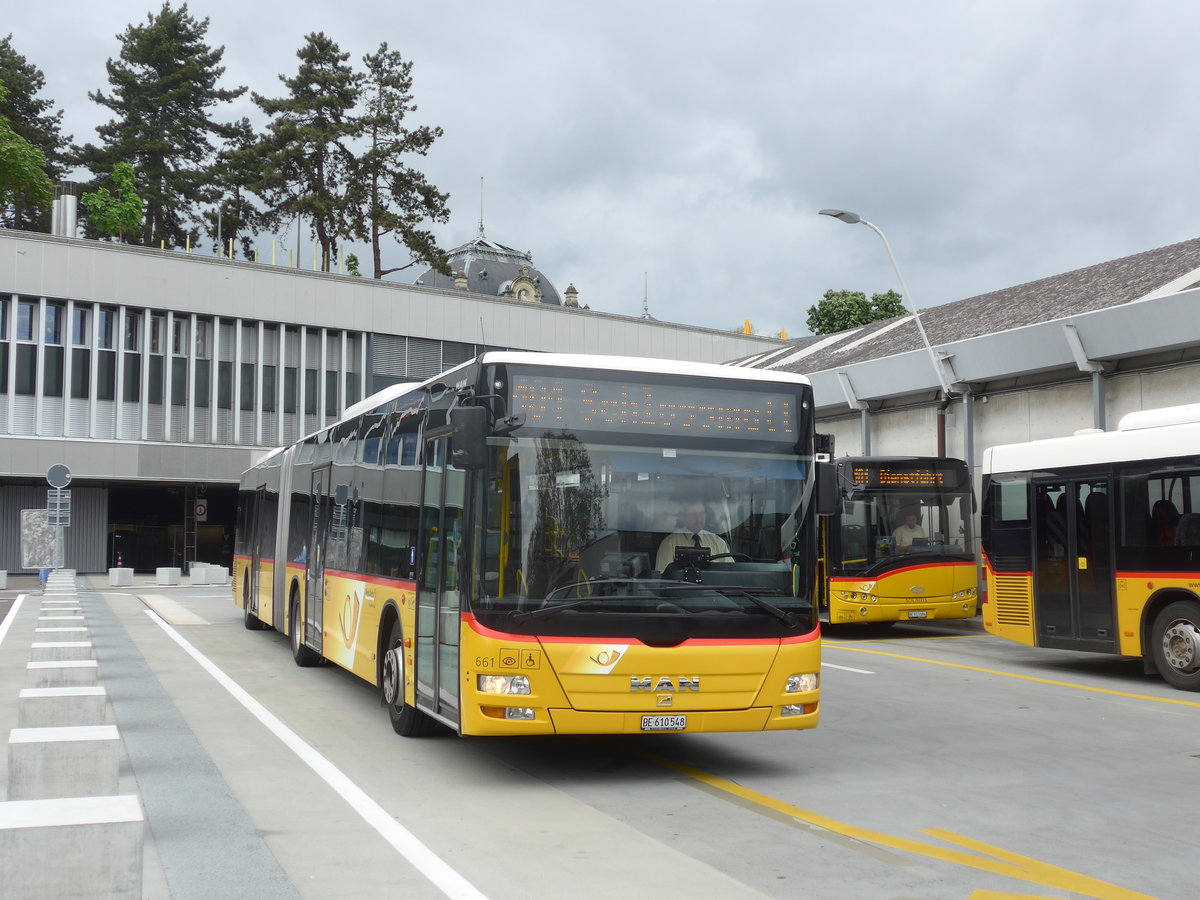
x,y
303,655
1175,644
249,619
406,720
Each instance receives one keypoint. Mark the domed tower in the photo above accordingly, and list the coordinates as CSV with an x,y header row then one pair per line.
x,y
483,266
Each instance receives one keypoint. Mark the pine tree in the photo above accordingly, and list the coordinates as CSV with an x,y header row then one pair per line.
x,y
394,198
164,88
30,119
236,217
308,162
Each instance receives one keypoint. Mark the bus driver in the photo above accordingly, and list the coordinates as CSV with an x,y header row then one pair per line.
x,y
692,517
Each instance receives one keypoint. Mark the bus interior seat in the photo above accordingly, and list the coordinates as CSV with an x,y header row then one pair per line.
x,y
1164,518
1187,532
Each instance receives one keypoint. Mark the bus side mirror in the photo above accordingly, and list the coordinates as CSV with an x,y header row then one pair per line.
x,y
468,434
828,496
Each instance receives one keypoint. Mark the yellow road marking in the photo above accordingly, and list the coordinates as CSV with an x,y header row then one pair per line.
x,y
1003,862
1066,684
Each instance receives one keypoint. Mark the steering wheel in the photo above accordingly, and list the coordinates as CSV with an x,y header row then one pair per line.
x,y
736,557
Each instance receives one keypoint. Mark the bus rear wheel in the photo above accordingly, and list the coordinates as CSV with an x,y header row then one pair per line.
x,y
406,720
250,620
304,656
1175,643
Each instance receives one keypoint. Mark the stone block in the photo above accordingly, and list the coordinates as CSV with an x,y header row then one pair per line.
x,y
120,577
62,673
221,576
167,575
61,706
78,847
63,761
45,651
3,578
200,575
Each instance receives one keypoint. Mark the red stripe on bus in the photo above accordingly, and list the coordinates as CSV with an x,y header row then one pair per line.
x,y
483,630
837,579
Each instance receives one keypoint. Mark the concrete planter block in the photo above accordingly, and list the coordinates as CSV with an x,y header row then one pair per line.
x,y
79,847
62,673
3,579
200,575
46,651
168,575
65,761
62,706
120,577
222,576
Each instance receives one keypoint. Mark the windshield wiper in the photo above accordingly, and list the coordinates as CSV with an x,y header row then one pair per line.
x,y
556,608
786,617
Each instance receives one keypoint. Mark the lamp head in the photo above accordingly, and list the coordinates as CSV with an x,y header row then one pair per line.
x,y
848,217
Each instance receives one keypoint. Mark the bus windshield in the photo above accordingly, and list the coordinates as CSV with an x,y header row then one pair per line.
x,y
598,537
881,529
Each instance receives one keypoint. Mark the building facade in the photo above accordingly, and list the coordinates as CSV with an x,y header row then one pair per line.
x,y
157,377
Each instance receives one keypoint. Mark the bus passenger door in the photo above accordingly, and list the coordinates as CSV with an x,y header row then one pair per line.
x,y
257,540
1074,565
438,590
314,592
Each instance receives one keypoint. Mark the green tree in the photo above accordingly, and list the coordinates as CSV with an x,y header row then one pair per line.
x,y
308,163
31,120
236,216
118,212
164,87
391,197
23,180
839,310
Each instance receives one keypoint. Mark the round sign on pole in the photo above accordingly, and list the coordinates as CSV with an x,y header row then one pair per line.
x,y
201,511
59,476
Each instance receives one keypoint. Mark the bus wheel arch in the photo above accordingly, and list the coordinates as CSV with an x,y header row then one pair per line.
x,y
304,655
407,721
1174,642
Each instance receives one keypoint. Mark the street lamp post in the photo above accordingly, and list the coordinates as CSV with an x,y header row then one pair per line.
x,y
855,219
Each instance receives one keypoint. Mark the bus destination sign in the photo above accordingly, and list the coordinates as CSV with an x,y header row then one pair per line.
x,y
592,404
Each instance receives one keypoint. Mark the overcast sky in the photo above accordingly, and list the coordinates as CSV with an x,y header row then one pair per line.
x,y
687,146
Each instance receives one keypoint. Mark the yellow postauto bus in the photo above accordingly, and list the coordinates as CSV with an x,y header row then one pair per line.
x,y
1092,542
539,543
899,547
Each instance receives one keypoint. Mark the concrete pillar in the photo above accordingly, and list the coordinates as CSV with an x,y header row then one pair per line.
x,y
64,761
78,847
62,706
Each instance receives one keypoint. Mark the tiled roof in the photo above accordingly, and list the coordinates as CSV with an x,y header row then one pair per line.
x,y
1103,285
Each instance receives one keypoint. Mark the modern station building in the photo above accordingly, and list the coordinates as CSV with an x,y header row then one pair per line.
x,y
1043,359
157,377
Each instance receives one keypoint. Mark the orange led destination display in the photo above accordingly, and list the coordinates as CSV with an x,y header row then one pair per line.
x,y
897,474
588,404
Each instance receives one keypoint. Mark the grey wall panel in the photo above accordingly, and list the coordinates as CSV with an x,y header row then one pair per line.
x,y
83,541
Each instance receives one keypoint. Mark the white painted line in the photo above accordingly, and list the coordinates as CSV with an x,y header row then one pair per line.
x,y
846,669
46,645
429,864
76,629
64,664
67,618
11,617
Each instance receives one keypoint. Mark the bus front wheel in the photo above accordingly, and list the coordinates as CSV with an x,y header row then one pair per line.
x,y
1175,642
406,720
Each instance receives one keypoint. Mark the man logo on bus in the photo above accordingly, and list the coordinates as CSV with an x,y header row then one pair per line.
x,y
664,683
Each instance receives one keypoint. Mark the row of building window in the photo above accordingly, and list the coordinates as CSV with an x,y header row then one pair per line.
x,y
28,310
106,380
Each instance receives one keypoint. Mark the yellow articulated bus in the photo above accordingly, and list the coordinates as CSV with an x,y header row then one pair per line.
x,y
1092,542
539,543
899,548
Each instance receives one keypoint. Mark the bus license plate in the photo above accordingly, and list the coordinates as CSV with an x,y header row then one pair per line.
x,y
916,614
664,723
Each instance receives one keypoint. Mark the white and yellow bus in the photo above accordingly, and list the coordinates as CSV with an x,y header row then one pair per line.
x,y
1092,542
484,547
900,546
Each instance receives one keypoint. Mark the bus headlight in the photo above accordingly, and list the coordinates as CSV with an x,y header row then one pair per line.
x,y
503,684
808,681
